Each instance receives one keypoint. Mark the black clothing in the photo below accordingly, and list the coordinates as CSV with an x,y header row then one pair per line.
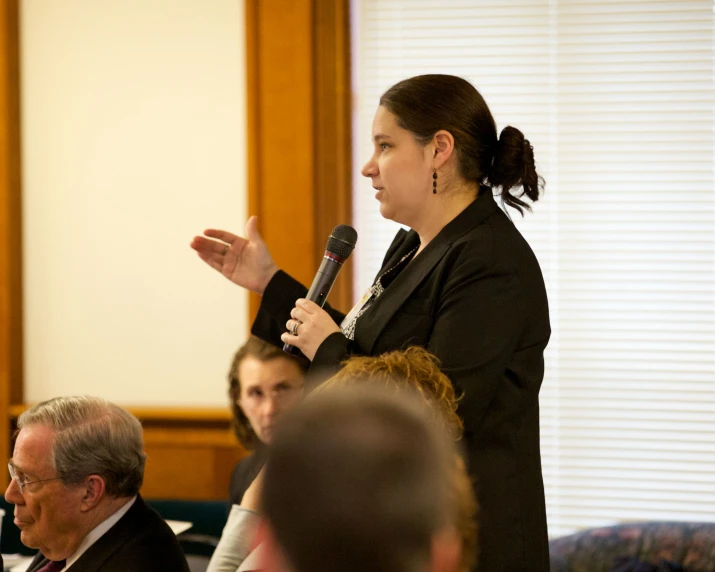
x,y
474,297
244,473
140,541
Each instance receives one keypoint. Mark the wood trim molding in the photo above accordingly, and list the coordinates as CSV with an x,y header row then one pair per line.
x,y
333,129
203,415
299,159
253,129
11,350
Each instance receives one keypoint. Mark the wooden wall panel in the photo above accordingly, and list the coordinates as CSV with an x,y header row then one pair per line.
x,y
299,174
179,469
190,453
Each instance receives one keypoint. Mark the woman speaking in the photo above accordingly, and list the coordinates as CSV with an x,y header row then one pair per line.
x,y
462,282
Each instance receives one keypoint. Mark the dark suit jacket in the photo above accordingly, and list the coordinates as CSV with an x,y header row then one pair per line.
x,y
139,542
475,298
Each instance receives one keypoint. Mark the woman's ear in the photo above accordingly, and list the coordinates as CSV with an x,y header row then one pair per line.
x,y
443,144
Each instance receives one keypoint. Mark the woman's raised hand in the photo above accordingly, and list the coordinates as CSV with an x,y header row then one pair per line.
x,y
244,261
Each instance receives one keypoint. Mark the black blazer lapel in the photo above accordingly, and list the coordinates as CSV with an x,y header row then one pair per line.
x,y
403,242
374,321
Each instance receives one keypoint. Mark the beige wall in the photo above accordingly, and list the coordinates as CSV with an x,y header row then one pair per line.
x,y
133,125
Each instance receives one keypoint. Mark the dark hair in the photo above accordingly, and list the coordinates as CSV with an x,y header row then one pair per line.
x,y
424,104
262,351
358,479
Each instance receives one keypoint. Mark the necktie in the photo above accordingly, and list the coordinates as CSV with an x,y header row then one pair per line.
x,y
53,566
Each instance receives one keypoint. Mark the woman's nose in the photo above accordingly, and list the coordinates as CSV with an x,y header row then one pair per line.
x,y
369,169
271,406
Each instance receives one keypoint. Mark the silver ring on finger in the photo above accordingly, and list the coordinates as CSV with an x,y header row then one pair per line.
x,y
294,329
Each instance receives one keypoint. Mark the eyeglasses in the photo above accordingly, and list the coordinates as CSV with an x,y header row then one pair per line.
x,y
23,483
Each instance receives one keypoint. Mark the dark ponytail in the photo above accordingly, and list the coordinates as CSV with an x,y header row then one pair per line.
x,y
514,167
424,104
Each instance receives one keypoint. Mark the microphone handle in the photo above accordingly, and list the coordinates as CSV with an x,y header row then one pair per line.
x,y
319,289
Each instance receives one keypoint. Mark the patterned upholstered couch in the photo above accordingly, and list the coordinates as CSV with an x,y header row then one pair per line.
x,y
645,546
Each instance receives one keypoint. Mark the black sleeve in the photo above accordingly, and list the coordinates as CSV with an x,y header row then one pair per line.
x,y
334,350
277,302
236,487
279,299
244,473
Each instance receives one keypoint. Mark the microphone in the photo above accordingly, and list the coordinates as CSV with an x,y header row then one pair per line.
x,y
341,243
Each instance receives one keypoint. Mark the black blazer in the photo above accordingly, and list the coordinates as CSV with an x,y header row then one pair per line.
x,y
475,298
140,541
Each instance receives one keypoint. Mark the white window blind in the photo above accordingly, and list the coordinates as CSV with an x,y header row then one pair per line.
x,y
617,98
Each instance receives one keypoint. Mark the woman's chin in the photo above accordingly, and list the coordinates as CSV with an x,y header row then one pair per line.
x,y
386,211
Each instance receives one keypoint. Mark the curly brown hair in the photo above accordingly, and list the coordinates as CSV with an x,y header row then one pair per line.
x,y
262,351
413,368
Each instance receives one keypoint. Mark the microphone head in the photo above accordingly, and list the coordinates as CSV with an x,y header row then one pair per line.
x,y
342,241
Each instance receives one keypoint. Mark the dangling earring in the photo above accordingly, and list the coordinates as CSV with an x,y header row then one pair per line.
x,y
434,182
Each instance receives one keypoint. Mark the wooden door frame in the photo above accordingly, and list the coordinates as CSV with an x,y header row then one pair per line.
x,y
299,132
11,332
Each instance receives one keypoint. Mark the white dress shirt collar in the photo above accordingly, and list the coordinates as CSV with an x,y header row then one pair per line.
x,y
98,531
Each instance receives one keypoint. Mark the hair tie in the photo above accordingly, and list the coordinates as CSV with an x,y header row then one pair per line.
x,y
495,148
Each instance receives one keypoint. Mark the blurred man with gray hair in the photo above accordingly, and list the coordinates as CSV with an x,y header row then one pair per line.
x,y
77,467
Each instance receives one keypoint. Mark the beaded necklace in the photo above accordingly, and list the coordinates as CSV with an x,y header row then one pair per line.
x,y
368,299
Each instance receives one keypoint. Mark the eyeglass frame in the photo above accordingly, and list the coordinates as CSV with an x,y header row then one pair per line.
x,y
21,485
